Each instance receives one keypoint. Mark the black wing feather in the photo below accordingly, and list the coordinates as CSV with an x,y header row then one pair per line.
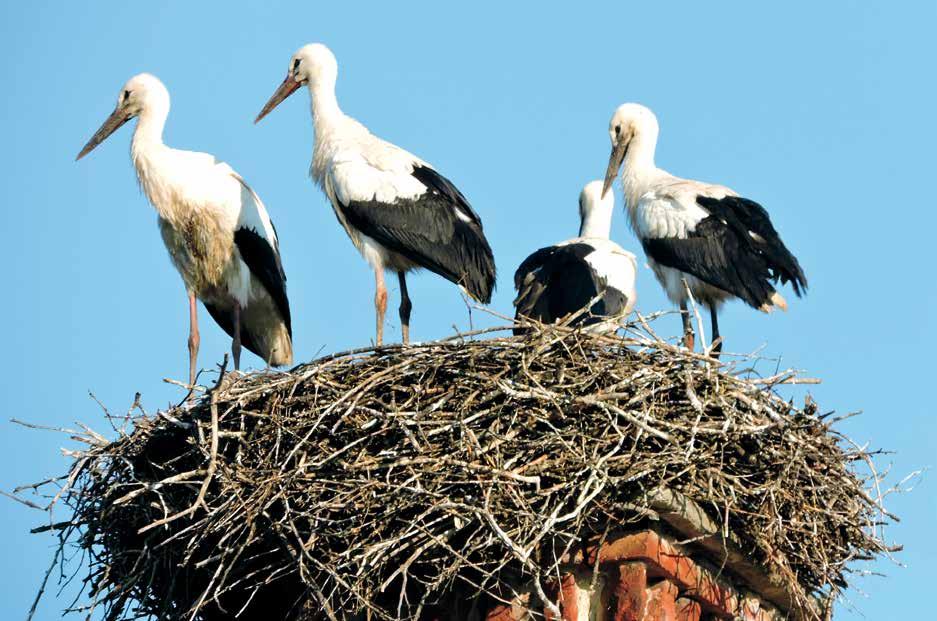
x,y
438,183
744,215
264,263
554,282
427,231
224,319
722,252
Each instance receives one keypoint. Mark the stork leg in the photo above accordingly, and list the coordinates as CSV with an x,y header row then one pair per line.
x,y
193,337
717,340
688,336
380,302
236,342
405,307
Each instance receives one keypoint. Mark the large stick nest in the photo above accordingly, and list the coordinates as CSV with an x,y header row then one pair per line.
x,y
378,482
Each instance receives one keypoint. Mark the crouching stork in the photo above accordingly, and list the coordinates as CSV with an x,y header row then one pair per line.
x,y
559,280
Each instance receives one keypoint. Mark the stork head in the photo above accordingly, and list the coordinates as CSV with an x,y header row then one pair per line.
x,y
313,64
630,122
595,211
141,93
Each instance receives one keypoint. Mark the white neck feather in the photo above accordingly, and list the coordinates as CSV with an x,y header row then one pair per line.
x,y
149,131
595,212
639,170
323,103
327,119
596,223
145,149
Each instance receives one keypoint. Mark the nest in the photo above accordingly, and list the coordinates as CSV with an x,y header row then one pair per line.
x,y
378,483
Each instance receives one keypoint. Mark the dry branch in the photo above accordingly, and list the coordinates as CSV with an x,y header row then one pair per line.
x,y
378,481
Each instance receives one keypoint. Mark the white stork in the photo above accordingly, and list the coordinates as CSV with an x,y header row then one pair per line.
x,y
398,211
721,244
561,279
215,227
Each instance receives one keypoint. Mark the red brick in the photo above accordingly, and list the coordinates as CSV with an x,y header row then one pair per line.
x,y
501,612
627,599
626,562
661,602
671,563
569,598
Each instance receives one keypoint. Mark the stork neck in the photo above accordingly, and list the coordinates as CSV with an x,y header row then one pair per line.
x,y
596,223
639,168
149,130
146,151
324,104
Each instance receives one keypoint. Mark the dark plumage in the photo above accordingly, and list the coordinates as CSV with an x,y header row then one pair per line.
x,y
223,318
266,266
735,248
554,282
428,231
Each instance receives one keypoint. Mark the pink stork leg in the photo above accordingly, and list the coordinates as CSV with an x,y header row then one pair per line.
x,y
380,301
193,337
236,342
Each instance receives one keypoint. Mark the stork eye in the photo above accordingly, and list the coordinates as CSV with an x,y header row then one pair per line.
x,y
295,64
126,95
617,130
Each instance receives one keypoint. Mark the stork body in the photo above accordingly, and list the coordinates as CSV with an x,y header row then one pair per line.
x,y
215,227
722,245
558,280
400,213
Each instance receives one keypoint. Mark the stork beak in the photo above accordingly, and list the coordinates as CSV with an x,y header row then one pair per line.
x,y
614,164
287,88
112,124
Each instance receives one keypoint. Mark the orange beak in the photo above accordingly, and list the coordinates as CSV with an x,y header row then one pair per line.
x,y
287,88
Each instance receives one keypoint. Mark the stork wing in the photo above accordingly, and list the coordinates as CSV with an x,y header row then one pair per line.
x,y
554,282
422,216
615,271
725,252
751,221
256,240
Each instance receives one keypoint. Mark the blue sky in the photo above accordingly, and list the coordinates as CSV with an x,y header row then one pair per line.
x,y
823,112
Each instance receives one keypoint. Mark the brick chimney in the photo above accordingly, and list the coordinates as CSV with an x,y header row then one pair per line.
x,y
676,566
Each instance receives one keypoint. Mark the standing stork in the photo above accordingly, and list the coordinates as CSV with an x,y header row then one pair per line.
x,y
562,279
215,227
720,244
398,211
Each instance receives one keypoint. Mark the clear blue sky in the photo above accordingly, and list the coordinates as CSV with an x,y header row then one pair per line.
x,y
823,112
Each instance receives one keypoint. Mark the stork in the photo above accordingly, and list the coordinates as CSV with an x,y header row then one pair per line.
x,y
400,213
558,280
721,245
215,227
